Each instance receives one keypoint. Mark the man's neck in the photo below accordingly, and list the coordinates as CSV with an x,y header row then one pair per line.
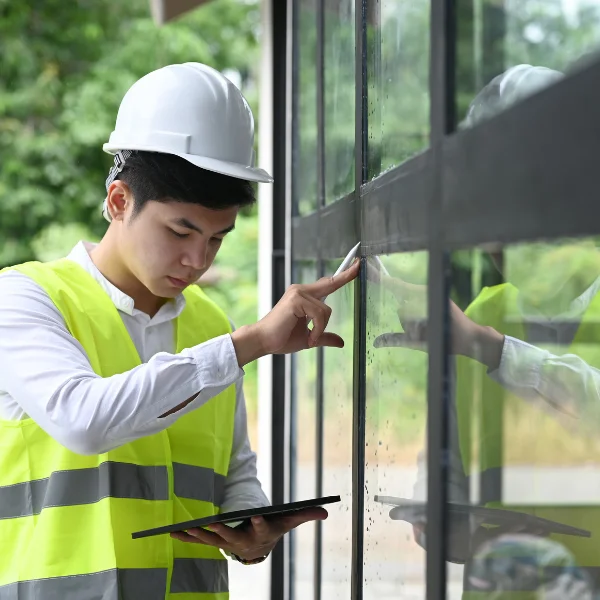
x,y
107,260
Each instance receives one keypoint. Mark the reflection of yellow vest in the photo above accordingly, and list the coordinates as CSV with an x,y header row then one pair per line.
x,y
66,520
497,429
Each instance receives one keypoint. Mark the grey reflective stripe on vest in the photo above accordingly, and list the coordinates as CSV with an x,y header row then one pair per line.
x,y
116,584
196,576
84,486
198,483
110,479
199,575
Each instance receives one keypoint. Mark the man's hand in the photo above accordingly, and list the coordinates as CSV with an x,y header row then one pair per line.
x,y
285,329
254,541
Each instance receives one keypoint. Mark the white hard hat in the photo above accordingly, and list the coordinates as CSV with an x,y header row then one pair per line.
x,y
192,111
506,89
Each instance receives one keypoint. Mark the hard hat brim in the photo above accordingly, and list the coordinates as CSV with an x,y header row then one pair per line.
x,y
210,164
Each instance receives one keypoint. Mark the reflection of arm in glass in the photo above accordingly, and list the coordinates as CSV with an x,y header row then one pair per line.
x,y
566,382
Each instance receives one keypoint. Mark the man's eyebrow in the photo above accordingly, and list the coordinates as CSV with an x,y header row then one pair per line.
x,y
183,222
226,230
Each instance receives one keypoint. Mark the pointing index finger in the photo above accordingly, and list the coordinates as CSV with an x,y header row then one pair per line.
x,y
327,285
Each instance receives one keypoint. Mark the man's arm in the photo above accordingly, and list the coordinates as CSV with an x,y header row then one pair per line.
x,y
46,370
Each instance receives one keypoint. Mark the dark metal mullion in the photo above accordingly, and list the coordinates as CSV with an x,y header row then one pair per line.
x,y
321,166
442,122
295,148
320,416
279,438
360,305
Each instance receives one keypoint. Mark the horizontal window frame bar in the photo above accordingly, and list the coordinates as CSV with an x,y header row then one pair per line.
x,y
491,192
325,231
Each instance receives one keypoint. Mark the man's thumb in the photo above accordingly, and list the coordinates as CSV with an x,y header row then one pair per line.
x,y
331,340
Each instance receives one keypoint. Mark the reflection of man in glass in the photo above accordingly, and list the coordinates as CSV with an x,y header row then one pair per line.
x,y
522,346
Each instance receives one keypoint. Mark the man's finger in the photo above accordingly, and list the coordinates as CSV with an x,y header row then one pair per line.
x,y
330,340
319,313
328,285
260,526
199,536
229,534
289,522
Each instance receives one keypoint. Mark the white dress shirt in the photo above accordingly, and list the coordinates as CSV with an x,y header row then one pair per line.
x,y
564,383
45,374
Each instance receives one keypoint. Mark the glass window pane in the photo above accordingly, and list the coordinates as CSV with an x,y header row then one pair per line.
x,y
526,407
511,49
338,94
305,109
396,419
398,81
337,447
304,457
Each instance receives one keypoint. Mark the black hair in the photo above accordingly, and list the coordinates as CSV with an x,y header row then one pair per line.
x,y
168,178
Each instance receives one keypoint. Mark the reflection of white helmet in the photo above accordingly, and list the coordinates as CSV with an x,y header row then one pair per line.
x,y
518,563
192,111
508,88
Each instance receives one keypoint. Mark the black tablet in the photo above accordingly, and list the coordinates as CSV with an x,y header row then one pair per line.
x,y
415,512
237,516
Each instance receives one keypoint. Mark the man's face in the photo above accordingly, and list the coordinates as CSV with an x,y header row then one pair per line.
x,y
170,245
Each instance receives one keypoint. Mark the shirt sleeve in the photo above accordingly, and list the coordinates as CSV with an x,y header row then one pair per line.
x,y
565,383
46,370
242,487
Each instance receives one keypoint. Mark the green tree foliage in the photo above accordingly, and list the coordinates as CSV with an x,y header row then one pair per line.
x,y
65,67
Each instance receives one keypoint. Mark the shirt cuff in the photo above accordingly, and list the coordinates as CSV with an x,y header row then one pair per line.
x,y
520,367
217,362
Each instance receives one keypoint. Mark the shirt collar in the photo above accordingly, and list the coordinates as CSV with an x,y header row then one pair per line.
x,y
123,302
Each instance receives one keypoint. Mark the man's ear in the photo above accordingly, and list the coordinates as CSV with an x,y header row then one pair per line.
x,y
119,199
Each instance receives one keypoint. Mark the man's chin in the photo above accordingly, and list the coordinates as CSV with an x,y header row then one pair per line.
x,y
165,291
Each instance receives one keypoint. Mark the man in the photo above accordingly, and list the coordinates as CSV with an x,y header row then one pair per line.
x,y
121,385
526,374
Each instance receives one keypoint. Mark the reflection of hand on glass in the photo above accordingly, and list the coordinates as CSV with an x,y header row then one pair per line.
x,y
566,383
467,338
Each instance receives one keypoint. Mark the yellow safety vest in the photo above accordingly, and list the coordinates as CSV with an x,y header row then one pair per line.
x,y
505,422
66,520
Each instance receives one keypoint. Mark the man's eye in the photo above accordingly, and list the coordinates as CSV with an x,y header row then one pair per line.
x,y
216,240
179,235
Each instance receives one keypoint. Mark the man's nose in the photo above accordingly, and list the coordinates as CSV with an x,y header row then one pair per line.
x,y
196,258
